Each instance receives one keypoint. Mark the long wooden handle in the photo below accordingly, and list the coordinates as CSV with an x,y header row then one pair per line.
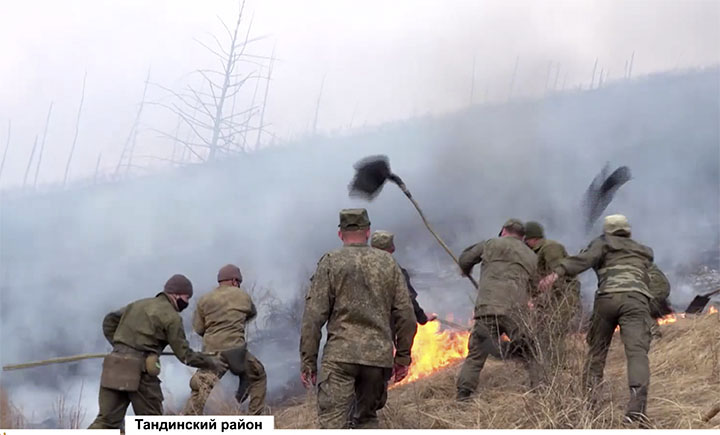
x,y
712,412
453,325
60,360
427,224
707,295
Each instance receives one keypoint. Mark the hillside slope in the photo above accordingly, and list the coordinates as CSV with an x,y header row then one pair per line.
x,y
685,370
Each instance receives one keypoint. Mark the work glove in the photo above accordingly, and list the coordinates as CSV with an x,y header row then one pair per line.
x,y
431,316
308,378
399,372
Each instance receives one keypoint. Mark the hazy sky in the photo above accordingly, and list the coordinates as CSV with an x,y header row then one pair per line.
x,y
382,60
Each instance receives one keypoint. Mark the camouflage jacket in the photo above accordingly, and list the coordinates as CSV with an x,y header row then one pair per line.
x,y
357,290
419,312
621,264
508,274
220,318
149,325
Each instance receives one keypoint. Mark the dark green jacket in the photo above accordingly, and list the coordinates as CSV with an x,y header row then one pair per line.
x,y
149,325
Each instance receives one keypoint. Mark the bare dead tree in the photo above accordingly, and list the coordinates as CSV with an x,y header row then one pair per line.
x,y
42,146
472,83
97,168
175,141
514,76
352,117
317,104
267,89
208,111
592,80
129,145
77,130
7,147
30,160
547,77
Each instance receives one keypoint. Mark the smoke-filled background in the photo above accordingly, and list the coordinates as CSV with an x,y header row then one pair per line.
x,y
485,111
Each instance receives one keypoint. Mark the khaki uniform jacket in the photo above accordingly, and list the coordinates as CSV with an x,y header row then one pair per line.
x,y
220,318
149,325
357,290
550,253
508,274
621,264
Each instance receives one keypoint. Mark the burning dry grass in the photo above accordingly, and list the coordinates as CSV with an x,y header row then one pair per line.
x,y
685,367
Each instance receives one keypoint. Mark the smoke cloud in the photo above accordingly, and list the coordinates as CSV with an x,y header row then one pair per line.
x,y
68,258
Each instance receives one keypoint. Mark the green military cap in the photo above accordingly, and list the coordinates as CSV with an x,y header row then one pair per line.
x,y
515,225
382,240
616,223
354,219
533,230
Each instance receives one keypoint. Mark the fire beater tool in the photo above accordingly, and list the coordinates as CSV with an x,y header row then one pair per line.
x,y
371,174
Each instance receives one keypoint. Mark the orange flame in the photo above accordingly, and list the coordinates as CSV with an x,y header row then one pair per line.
x,y
670,318
434,349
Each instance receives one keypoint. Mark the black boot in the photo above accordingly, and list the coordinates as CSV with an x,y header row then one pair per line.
x,y
463,395
636,407
243,390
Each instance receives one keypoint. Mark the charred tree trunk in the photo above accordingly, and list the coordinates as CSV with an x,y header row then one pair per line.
x,y
77,130
42,146
30,160
317,105
7,147
261,126
129,146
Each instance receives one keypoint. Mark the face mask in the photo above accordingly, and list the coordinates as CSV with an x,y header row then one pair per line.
x,y
181,304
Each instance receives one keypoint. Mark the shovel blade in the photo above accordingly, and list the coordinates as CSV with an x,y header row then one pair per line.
x,y
697,305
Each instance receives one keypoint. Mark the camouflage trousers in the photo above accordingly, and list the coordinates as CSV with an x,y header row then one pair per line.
x,y
351,394
631,311
485,339
203,382
147,400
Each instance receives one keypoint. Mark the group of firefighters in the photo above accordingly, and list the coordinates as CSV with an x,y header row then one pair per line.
x,y
365,300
